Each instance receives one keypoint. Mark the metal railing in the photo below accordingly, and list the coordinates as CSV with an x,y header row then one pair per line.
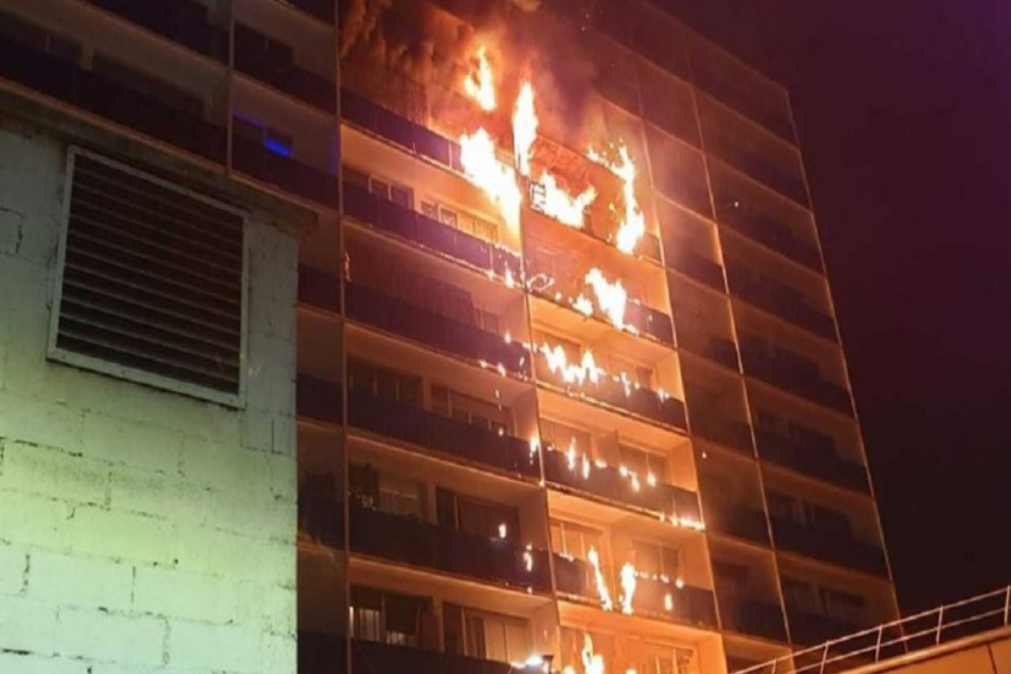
x,y
918,632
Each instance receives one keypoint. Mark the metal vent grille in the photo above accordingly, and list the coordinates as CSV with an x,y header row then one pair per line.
x,y
152,281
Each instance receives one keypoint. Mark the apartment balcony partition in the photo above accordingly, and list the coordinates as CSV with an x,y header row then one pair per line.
x,y
812,456
793,373
422,230
61,78
320,653
839,547
372,657
184,21
254,159
272,62
320,289
319,399
434,330
441,434
739,521
754,617
387,124
608,483
722,430
641,402
778,299
410,541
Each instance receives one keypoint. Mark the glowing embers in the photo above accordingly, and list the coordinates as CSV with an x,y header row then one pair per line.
x,y
632,223
480,84
498,181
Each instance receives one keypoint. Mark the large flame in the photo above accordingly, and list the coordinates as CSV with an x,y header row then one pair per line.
x,y
567,208
498,181
593,663
524,128
480,84
633,224
571,373
611,297
593,557
629,581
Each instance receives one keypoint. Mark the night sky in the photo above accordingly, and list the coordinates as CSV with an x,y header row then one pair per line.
x,y
904,114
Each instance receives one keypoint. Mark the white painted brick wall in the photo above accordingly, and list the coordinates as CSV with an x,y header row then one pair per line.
x,y
141,531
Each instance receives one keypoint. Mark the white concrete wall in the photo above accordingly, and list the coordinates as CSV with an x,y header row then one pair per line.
x,y
140,531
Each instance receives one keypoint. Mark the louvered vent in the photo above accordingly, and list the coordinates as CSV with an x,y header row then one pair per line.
x,y
152,282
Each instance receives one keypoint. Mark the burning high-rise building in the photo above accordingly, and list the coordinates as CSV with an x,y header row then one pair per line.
x,y
570,391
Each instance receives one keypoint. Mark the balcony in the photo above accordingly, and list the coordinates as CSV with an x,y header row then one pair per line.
x,y
702,269
252,158
60,78
779,299
429,233
739,521
434,330
319,289
367,115
272,63
436,433
373,657
757,618
184,22
837,547
808,628
722,430
409,541
320,653
792,373
691,605
814,456
768,232
319,400
641,402
713,348
608,483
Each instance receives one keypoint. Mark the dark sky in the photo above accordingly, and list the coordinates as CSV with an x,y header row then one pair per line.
x,y
904,113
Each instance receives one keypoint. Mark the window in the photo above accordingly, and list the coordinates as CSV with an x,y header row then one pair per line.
x,y
841,605
659,659
486,320
644,463
391,191
462,222
639,374
562,436
496,637
574,540
259,131
470,410
800,596
477,517
387,384
401,496
152,282
387,617
657,559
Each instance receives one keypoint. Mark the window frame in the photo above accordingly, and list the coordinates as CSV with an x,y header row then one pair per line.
x,y
125,372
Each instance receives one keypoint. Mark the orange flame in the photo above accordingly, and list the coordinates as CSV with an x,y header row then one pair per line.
x,y
480,84
592,663
633,223
593,557
571,373
628,585
498,181
611,297
524,128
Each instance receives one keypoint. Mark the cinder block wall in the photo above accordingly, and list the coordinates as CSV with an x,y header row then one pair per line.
x,y
140,531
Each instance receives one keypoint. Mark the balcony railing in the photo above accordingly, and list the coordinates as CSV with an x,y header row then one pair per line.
x,y
370,657
689,604
779,299
185,22
608,483
319,289
812,458
62,79
272,62
839,547
701,269
409,541
319,400
717,349
412,226
737,520
441,434
722,430
754,617
439,332
641,402
252,158
793,373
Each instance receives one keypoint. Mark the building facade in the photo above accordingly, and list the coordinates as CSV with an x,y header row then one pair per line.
x,y
502,453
